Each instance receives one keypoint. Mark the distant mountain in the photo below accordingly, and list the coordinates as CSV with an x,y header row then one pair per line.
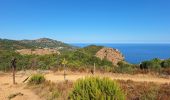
x,y
47,43
7,44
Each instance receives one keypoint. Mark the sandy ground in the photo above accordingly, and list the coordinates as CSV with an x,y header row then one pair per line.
x,y
7,88
55,77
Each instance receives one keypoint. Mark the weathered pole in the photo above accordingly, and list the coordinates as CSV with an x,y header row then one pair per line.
x,y
13,76
64,62
13,65
64,72
94,68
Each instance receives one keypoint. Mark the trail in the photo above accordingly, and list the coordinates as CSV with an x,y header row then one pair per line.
x,y
7,88
55,77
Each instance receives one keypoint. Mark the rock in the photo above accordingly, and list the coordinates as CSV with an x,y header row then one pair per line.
x,y
110,54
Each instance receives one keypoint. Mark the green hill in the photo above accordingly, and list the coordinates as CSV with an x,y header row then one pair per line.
x,y
91,49
6,44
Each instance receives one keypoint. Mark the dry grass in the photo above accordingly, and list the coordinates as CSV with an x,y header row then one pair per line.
x,y
145,91
52,91
56,88
133,90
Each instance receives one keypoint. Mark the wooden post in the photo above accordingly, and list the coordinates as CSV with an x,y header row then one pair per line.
x,y
64,72
64,62
13,65
94,68
13,75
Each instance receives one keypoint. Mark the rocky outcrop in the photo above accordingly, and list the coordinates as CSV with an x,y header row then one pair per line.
x,y
44,51
110,54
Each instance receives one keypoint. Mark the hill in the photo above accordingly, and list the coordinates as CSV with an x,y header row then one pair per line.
x,y
91,49
6,44
109,54
47,43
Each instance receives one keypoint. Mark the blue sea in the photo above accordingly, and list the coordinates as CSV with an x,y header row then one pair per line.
x,y
136,53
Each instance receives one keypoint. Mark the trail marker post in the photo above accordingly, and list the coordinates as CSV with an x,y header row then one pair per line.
x,y
64,62
94,68
13,66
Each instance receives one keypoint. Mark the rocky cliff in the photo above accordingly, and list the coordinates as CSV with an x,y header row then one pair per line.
x,y
110,54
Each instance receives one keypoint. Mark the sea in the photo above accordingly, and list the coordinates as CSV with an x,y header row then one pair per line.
x,y
136,53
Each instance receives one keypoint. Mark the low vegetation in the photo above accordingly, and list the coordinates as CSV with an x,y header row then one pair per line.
x,y
37,79
145,91
156,65
124,67
94,88
78,59
51,91
100,89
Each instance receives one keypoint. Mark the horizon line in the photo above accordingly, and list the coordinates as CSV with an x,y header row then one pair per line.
x,y
117,42
93,42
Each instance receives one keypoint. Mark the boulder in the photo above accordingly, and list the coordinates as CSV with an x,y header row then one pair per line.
x,y
110,54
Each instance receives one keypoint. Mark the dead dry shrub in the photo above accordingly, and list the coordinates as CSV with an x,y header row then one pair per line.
x,y
145,91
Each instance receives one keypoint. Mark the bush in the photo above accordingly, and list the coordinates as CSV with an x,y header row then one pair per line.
x,y
94,88
124,67
166,63
37,79
154,64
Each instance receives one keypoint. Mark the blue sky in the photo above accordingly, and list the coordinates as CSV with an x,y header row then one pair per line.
x,y
87,21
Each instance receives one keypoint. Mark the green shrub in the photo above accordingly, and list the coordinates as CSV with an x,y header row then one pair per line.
x,y
166,63
94,88
124,67
37,79
154,64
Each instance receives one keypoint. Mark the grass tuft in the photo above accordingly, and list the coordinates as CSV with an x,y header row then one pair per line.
x,y
37,79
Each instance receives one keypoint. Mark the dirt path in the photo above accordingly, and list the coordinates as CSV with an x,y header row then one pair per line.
x,y
55,77
6,87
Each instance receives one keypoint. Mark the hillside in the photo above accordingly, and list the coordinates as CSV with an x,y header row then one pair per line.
x,y
104,53
47,43
91,49
6,44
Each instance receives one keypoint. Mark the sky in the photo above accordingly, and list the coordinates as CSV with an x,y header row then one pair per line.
x,y
86,21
